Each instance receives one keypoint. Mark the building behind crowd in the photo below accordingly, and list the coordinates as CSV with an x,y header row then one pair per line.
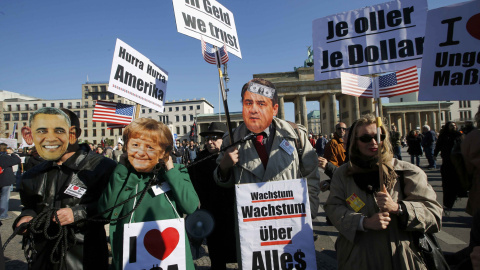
x,y
17,108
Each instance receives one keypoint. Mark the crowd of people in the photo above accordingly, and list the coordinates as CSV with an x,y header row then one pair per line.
x,y
377,202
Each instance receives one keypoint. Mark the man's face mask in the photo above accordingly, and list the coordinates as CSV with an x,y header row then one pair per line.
x,y
52,135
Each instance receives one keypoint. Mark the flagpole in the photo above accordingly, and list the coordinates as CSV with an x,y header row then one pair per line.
x,y
137,112
376,101
224,94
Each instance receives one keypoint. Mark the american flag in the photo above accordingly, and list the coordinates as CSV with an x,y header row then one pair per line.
x,y
399,83
356,85
209,54
12,136
393,84
116,113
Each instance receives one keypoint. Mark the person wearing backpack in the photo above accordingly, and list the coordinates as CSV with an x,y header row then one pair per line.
x,y
7,178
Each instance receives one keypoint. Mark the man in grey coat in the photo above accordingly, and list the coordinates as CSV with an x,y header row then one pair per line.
x,y
247,164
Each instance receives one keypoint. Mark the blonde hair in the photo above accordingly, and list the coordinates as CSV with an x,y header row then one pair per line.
x,y
157,131
365,120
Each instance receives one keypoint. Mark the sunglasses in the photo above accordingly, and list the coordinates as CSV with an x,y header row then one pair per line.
x,y
213,138
342,128
367,138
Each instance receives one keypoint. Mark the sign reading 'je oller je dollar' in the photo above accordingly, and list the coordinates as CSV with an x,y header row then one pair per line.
x,y
207,18
376,39
135,77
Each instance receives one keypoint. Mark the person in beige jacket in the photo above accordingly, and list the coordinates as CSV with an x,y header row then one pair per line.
x,y
377,224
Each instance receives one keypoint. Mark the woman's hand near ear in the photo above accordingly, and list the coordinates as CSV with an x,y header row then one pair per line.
x,y
169,163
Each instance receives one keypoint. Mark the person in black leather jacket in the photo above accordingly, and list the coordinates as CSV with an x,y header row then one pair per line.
x,y
52,184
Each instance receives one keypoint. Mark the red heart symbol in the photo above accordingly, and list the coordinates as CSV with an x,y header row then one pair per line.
x,y
75,188
161,245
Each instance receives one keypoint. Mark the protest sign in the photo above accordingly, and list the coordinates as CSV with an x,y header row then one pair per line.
x,y
209,19
376,39
275,225
9,142
452,53
135,77
158,243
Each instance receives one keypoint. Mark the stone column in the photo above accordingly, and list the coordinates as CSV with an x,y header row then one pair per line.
x,y
296,110
320,120
332,105
404,125
281,108
389,119
303,110
439,121
356,109
418,120
432,124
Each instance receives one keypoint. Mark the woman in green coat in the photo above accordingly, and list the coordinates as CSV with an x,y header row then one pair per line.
x,y
148,144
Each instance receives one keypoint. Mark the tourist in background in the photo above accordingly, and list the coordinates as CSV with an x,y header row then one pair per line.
x,y
414,142
428,143
335,148
450,183
395,140
7,178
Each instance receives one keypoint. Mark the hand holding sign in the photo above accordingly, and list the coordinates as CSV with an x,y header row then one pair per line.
x,y
385,201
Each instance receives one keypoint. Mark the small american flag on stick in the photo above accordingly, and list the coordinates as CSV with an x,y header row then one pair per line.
x,y
209,54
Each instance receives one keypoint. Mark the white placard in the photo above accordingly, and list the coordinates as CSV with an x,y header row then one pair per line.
x,y
135,77
9,142
376,39
452,53
154,243
275,225
210,19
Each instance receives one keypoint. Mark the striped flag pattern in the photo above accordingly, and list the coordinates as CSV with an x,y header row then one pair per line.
x,y
209,54
12,136
356,85
399,83
116,113
393,84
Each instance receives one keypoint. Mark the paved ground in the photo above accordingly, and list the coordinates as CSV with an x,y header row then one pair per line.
x,y
453,237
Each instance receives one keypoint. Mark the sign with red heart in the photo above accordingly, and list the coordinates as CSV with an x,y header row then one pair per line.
x,y
160,242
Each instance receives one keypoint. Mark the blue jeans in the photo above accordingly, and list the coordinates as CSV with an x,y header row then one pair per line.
x,y
429,155
179,160
4,199
412,157
397,152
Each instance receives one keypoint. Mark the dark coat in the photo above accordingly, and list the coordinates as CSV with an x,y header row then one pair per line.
x,y
32,161
7,178
429,139
39,191
220,202
414,145
445,143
